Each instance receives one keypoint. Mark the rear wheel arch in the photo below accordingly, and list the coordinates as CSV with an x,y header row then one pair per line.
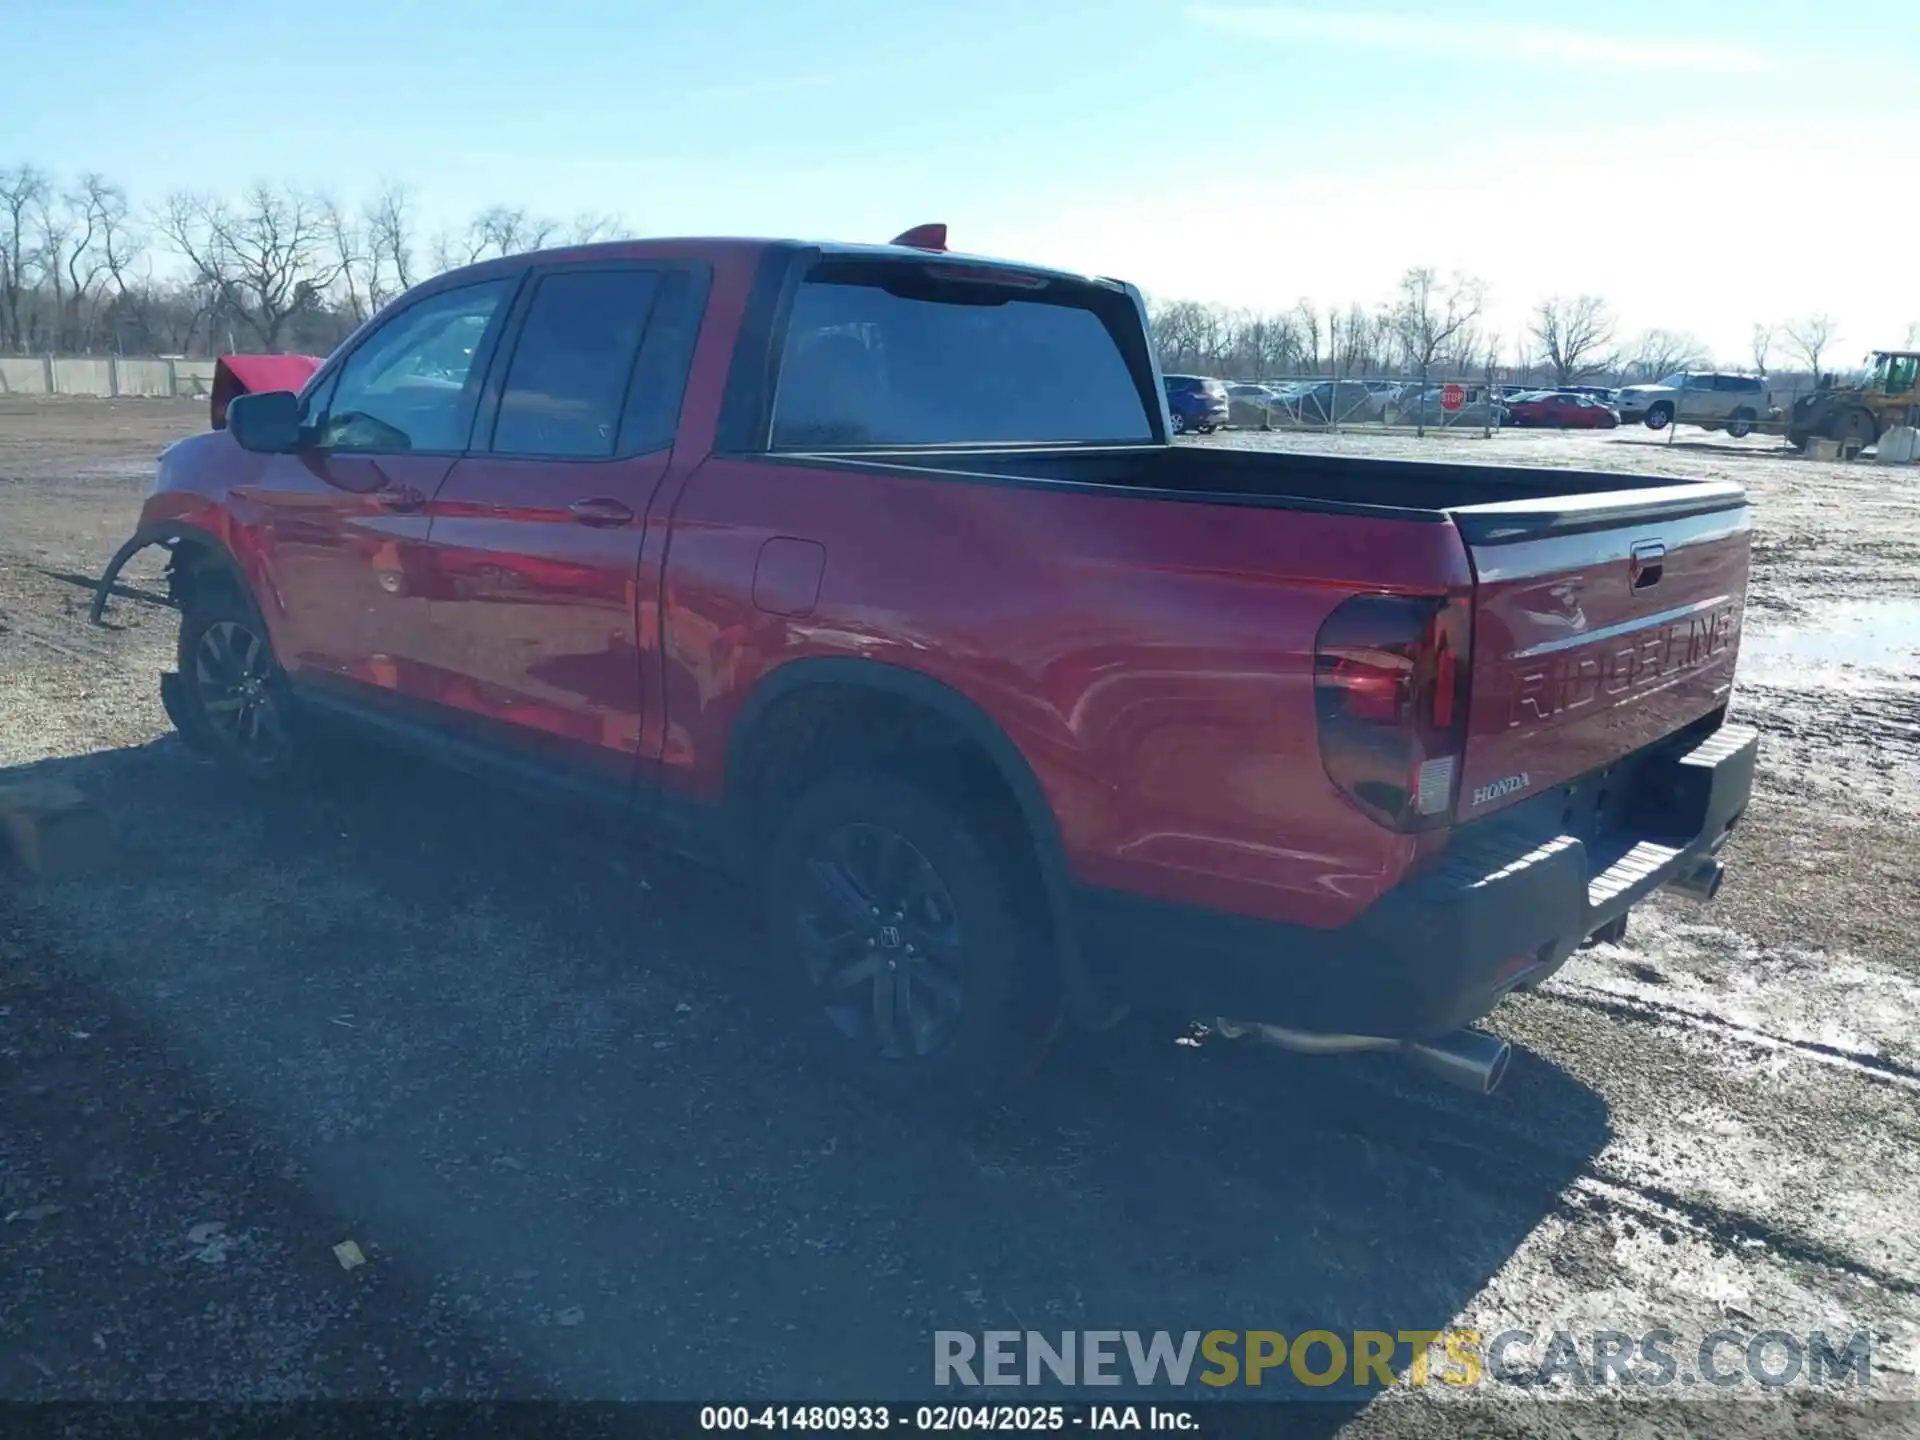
x,y
812,718
934,715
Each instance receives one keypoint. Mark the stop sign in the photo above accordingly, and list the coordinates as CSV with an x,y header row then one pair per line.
x,y
1452,397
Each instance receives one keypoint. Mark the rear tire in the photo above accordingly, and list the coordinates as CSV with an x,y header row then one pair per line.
x,y
902,941
231,700
1740,423
1659,416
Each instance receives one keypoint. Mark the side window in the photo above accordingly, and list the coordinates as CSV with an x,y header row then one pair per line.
x,y
660,374
313,407
1700,382
410,385
567,382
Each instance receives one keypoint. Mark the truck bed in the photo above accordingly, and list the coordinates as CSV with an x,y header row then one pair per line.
x,y
1487,501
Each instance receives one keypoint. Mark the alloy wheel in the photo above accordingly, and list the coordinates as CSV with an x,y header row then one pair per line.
x,y
881,940
234,671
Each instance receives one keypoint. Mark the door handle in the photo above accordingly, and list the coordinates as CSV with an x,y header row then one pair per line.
x,y
400,497
601,513
1648,562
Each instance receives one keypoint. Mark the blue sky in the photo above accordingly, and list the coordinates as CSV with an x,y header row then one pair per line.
x,y
1665,156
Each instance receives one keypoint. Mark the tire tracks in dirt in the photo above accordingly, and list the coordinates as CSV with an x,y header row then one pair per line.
x,y
1876,1069
1602,1187
1499,1157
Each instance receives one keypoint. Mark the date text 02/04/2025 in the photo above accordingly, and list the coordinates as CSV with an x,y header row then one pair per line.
x,y
941,1419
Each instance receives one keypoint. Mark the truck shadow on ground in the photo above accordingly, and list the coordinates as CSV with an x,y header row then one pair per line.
x,y
536,1067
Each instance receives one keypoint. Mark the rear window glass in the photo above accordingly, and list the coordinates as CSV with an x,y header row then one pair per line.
x,y
568,379
894,355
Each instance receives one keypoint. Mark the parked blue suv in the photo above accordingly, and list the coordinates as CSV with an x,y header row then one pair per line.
x,y
1196,403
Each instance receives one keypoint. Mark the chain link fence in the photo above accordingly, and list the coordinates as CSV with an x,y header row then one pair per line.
x,y
1378,402
1696,405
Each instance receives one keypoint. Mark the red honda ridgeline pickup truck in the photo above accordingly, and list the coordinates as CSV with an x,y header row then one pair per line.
x,y
872,571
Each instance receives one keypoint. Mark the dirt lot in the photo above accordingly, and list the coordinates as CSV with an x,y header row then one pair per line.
x,y
529,1072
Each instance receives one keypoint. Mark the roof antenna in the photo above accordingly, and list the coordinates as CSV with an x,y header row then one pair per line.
x,y
923,237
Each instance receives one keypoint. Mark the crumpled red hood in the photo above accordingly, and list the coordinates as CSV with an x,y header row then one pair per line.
x,y
245,374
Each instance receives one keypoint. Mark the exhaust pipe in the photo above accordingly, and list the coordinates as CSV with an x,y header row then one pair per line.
x,y
1304,1042
1470,1059
1702,882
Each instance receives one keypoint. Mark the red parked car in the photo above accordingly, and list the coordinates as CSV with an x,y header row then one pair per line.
x,y
1561,411
871,573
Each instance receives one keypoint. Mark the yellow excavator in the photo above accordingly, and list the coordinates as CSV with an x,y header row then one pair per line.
x,y
1858,415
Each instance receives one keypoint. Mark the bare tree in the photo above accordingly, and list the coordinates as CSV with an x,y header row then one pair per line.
x,y
1575,336
121,244
1349,340
1308,318
263,262
23,190
497,231
1810,338
1658,353
350,253
1525,357
1181,330
1461,354
390,242
1913,335
54,228
586,229
1760,344
1262,346
1428,315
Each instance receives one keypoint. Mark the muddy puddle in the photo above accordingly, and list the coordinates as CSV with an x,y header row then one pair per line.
x,y
1863,641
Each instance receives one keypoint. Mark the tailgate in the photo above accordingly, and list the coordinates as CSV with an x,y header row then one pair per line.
x,y
1601,624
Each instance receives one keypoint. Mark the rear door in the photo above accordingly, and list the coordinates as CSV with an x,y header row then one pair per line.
x,y
536,537
1600,626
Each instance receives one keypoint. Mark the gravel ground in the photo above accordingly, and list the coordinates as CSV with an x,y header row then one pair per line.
x,y
528,1071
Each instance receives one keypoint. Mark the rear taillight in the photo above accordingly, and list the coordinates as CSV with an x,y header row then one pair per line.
x,y
1390,676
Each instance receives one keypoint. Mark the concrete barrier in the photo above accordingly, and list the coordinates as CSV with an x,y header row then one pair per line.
x,y
151,378
82,375
193,378
25,375
1899,446
106,376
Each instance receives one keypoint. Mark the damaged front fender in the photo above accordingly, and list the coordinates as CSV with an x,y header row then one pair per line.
x,y
172,536
105,588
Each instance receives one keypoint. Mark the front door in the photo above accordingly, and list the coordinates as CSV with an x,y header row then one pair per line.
x,y
344,519
536,537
